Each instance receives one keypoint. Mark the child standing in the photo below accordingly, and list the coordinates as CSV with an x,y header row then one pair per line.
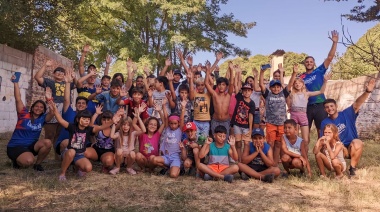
x,y
329,152
275,107
298,104
219,153
257,160
293,149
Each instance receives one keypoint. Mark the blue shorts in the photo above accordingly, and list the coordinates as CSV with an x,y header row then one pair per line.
x,y
256,117
172,160
78,156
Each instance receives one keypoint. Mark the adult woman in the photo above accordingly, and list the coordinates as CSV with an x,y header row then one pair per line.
x,y
24,144
329,152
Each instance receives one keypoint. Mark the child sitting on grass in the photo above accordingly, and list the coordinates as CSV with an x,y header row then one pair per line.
x,y
329,152
257,159
293,149
219,153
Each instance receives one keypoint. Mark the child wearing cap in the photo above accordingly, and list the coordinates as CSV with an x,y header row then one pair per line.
x,y
293,149
219,154
257,159
242,118
171,147
275,107
57,86
192,144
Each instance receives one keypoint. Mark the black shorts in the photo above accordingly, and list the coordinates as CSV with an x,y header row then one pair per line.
x,y
14,152
101,151
257,167
317,113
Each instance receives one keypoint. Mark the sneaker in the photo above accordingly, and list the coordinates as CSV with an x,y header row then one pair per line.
x,y
38,167
228,178
131,171
163,171
268,178
352,171
81,174
207,177
114,171
244,176
62,178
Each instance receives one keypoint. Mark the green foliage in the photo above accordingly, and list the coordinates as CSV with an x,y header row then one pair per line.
x,y
362,12
362,58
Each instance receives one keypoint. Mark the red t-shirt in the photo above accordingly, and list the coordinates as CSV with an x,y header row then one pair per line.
x,y
131,108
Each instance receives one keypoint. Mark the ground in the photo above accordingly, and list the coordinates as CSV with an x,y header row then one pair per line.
x,y
27,190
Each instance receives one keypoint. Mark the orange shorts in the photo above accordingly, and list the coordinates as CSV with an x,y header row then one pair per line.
x,y
274,132
218,168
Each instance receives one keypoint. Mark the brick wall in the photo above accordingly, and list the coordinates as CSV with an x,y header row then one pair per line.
x,y
12,60
345,92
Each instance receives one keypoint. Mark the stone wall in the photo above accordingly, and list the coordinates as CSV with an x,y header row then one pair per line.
x,y
345,92
12,60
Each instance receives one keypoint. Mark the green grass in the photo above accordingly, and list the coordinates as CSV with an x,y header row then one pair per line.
x,y
28,190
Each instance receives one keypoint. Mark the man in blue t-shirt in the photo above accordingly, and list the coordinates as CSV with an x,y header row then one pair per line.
x,y
345,121
313,79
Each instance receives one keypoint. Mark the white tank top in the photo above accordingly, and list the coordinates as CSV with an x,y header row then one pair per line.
x,y
295,148
299,101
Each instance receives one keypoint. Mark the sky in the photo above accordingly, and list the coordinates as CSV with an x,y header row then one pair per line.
x,y
292,25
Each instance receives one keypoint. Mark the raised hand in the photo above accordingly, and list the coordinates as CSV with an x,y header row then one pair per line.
x,y
98,89
371,85
181,146
170,75
189,75
327,77
68,76
120,111
134,67
142,107
129,63
99,109
146,70
209,140
231,140
136,112
179,53
219,55
116,118
108,59
168,62
216,68
189,60
208,65
86,48
49,63
295,68
199,67
255,72
157,107
334,36
150,93
281,68
48,94
231,65
52,107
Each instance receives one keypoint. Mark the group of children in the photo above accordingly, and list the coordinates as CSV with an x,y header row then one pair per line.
x,y
190,127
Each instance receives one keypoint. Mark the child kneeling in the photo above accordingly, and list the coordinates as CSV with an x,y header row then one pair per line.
x,y
257,159
219,153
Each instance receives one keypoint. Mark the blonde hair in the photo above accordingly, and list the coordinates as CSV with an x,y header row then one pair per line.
x,y
199,80
125,121
303,88
334,130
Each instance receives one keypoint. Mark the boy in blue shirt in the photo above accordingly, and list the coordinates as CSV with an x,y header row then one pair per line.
x,y
345,121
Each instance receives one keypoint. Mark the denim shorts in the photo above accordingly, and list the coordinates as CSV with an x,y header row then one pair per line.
x,y
172,160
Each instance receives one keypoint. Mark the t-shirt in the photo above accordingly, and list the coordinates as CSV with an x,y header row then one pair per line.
x,y
149,146
275,106
258,160
202,107
26,132
79,138
68,116
219,155
158,97
188,112
170,141
57,89
109,102
314,82
346,125
242,110
255,97
86,92
131,108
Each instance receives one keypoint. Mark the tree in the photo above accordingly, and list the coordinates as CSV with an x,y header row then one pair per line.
x,y
363,13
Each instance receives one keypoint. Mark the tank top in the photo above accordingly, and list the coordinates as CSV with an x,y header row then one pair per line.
x,y
296,147
219,155
339,156
258,160
299,102
104,142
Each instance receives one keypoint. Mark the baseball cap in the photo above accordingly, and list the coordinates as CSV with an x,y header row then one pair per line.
x,y
257,131
274,82
247,86
177,72
189,126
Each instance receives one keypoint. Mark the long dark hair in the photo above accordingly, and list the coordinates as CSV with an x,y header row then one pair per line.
x,y
34,104
147,123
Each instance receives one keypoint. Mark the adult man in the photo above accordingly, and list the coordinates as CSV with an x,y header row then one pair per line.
x,y
313,79
345,121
